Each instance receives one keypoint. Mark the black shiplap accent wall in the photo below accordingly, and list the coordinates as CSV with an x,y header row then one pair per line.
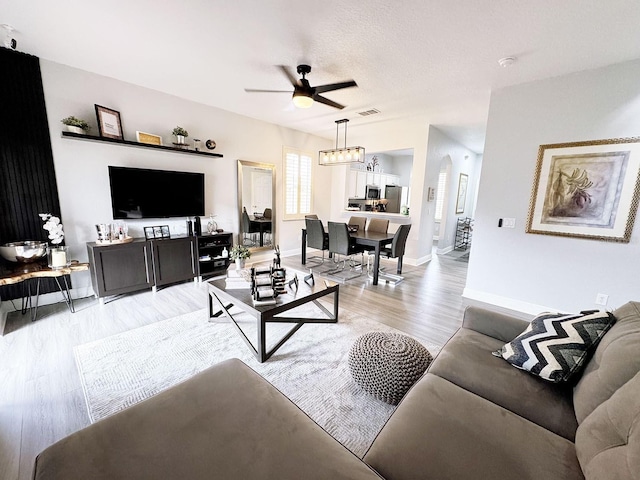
x,y
27,176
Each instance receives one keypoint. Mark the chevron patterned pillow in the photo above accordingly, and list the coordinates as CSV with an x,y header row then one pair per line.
x,y
555,346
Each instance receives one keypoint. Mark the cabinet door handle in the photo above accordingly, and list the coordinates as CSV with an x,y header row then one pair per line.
x,y
146,263
193,259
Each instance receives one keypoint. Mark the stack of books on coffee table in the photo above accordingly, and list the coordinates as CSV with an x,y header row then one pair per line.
x,y
237,278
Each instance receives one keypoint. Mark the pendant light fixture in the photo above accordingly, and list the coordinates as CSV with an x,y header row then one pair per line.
x,y
338,155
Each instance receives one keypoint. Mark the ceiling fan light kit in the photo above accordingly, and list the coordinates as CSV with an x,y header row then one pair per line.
x,y
304,95
301,100
342,155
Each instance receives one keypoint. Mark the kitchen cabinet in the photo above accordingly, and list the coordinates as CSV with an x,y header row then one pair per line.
x,y
359,179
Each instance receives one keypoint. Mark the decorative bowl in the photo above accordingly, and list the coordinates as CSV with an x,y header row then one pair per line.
x,y
23,252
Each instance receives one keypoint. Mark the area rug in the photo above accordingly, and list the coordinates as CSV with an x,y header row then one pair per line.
x,y
310,368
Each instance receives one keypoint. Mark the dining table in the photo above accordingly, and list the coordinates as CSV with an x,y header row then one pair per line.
x,y
263,224
377,240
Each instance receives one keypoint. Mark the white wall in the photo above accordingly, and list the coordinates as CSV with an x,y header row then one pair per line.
x,y
529,272
464,161
81,166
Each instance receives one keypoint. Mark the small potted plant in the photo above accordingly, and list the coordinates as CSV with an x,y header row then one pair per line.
x,y
76,125
239,253
180,134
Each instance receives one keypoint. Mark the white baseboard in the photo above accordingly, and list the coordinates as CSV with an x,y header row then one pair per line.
x,y
417,261
444,251
511,305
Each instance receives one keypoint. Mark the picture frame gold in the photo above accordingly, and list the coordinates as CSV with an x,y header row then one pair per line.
x,y
148,138
586,189
109,123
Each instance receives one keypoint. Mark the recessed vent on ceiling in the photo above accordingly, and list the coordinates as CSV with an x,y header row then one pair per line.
x,y
366,113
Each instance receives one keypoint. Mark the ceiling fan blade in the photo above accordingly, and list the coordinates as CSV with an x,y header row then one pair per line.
x,y
292,78
326,101
266,91
335,86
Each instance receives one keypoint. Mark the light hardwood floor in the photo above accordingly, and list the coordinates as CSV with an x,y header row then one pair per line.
x,y
41,398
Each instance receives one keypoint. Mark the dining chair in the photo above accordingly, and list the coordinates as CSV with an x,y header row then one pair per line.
x,y
248,227
396,250
358,221
378,225
316,238
313,216
375,225
341,243
267,227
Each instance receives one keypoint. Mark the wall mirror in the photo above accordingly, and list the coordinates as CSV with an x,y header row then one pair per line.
x,y
256,204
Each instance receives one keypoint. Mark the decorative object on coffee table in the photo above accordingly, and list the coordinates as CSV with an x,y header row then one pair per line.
x,y
239,253
386,365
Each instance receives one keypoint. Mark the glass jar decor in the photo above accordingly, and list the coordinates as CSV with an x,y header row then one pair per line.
x,y
58,257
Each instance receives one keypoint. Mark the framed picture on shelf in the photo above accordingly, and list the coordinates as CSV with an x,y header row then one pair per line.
x,y
148,138
109,123
157,232
165,231
586,189
149,233
462,192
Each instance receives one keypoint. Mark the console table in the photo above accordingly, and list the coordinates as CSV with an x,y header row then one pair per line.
x,y
27,272
141,264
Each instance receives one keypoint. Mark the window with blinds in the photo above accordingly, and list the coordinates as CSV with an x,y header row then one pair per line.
x,y
297,183
442,185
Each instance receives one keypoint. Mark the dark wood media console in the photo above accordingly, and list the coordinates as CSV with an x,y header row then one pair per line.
x,y
143,264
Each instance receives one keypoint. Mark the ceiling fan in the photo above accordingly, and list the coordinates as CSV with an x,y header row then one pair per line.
x,y
303,93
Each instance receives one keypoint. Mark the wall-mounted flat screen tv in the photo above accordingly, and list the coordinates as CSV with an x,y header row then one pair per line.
x,y
144,193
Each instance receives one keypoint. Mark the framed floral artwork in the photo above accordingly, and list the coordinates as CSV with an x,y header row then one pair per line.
x,y
586,189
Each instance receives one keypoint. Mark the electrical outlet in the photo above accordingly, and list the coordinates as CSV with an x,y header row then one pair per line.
x,y
509,222
602,299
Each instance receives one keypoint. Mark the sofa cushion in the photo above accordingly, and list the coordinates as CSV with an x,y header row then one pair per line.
x,y
225,422
608,440
555,346
442,431
613,364
466,360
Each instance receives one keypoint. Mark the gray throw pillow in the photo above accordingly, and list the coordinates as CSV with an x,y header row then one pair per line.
x,y
555,346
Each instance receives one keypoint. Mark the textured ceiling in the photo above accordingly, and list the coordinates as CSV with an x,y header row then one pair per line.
x,y
414,60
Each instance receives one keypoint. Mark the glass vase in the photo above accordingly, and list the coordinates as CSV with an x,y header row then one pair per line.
x,y
58,257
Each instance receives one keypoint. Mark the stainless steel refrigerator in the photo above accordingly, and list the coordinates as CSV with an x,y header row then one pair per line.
x,y
393,194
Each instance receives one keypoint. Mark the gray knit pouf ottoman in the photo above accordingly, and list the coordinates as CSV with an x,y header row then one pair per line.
x,y
387,364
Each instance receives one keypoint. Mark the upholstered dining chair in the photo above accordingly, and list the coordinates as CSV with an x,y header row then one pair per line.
x,y
341,243
248,228
396,250
313,216
316,238
360,222
378,225
268,215
375,225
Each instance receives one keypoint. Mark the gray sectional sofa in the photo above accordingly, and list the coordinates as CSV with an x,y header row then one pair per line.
x,y
471,416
